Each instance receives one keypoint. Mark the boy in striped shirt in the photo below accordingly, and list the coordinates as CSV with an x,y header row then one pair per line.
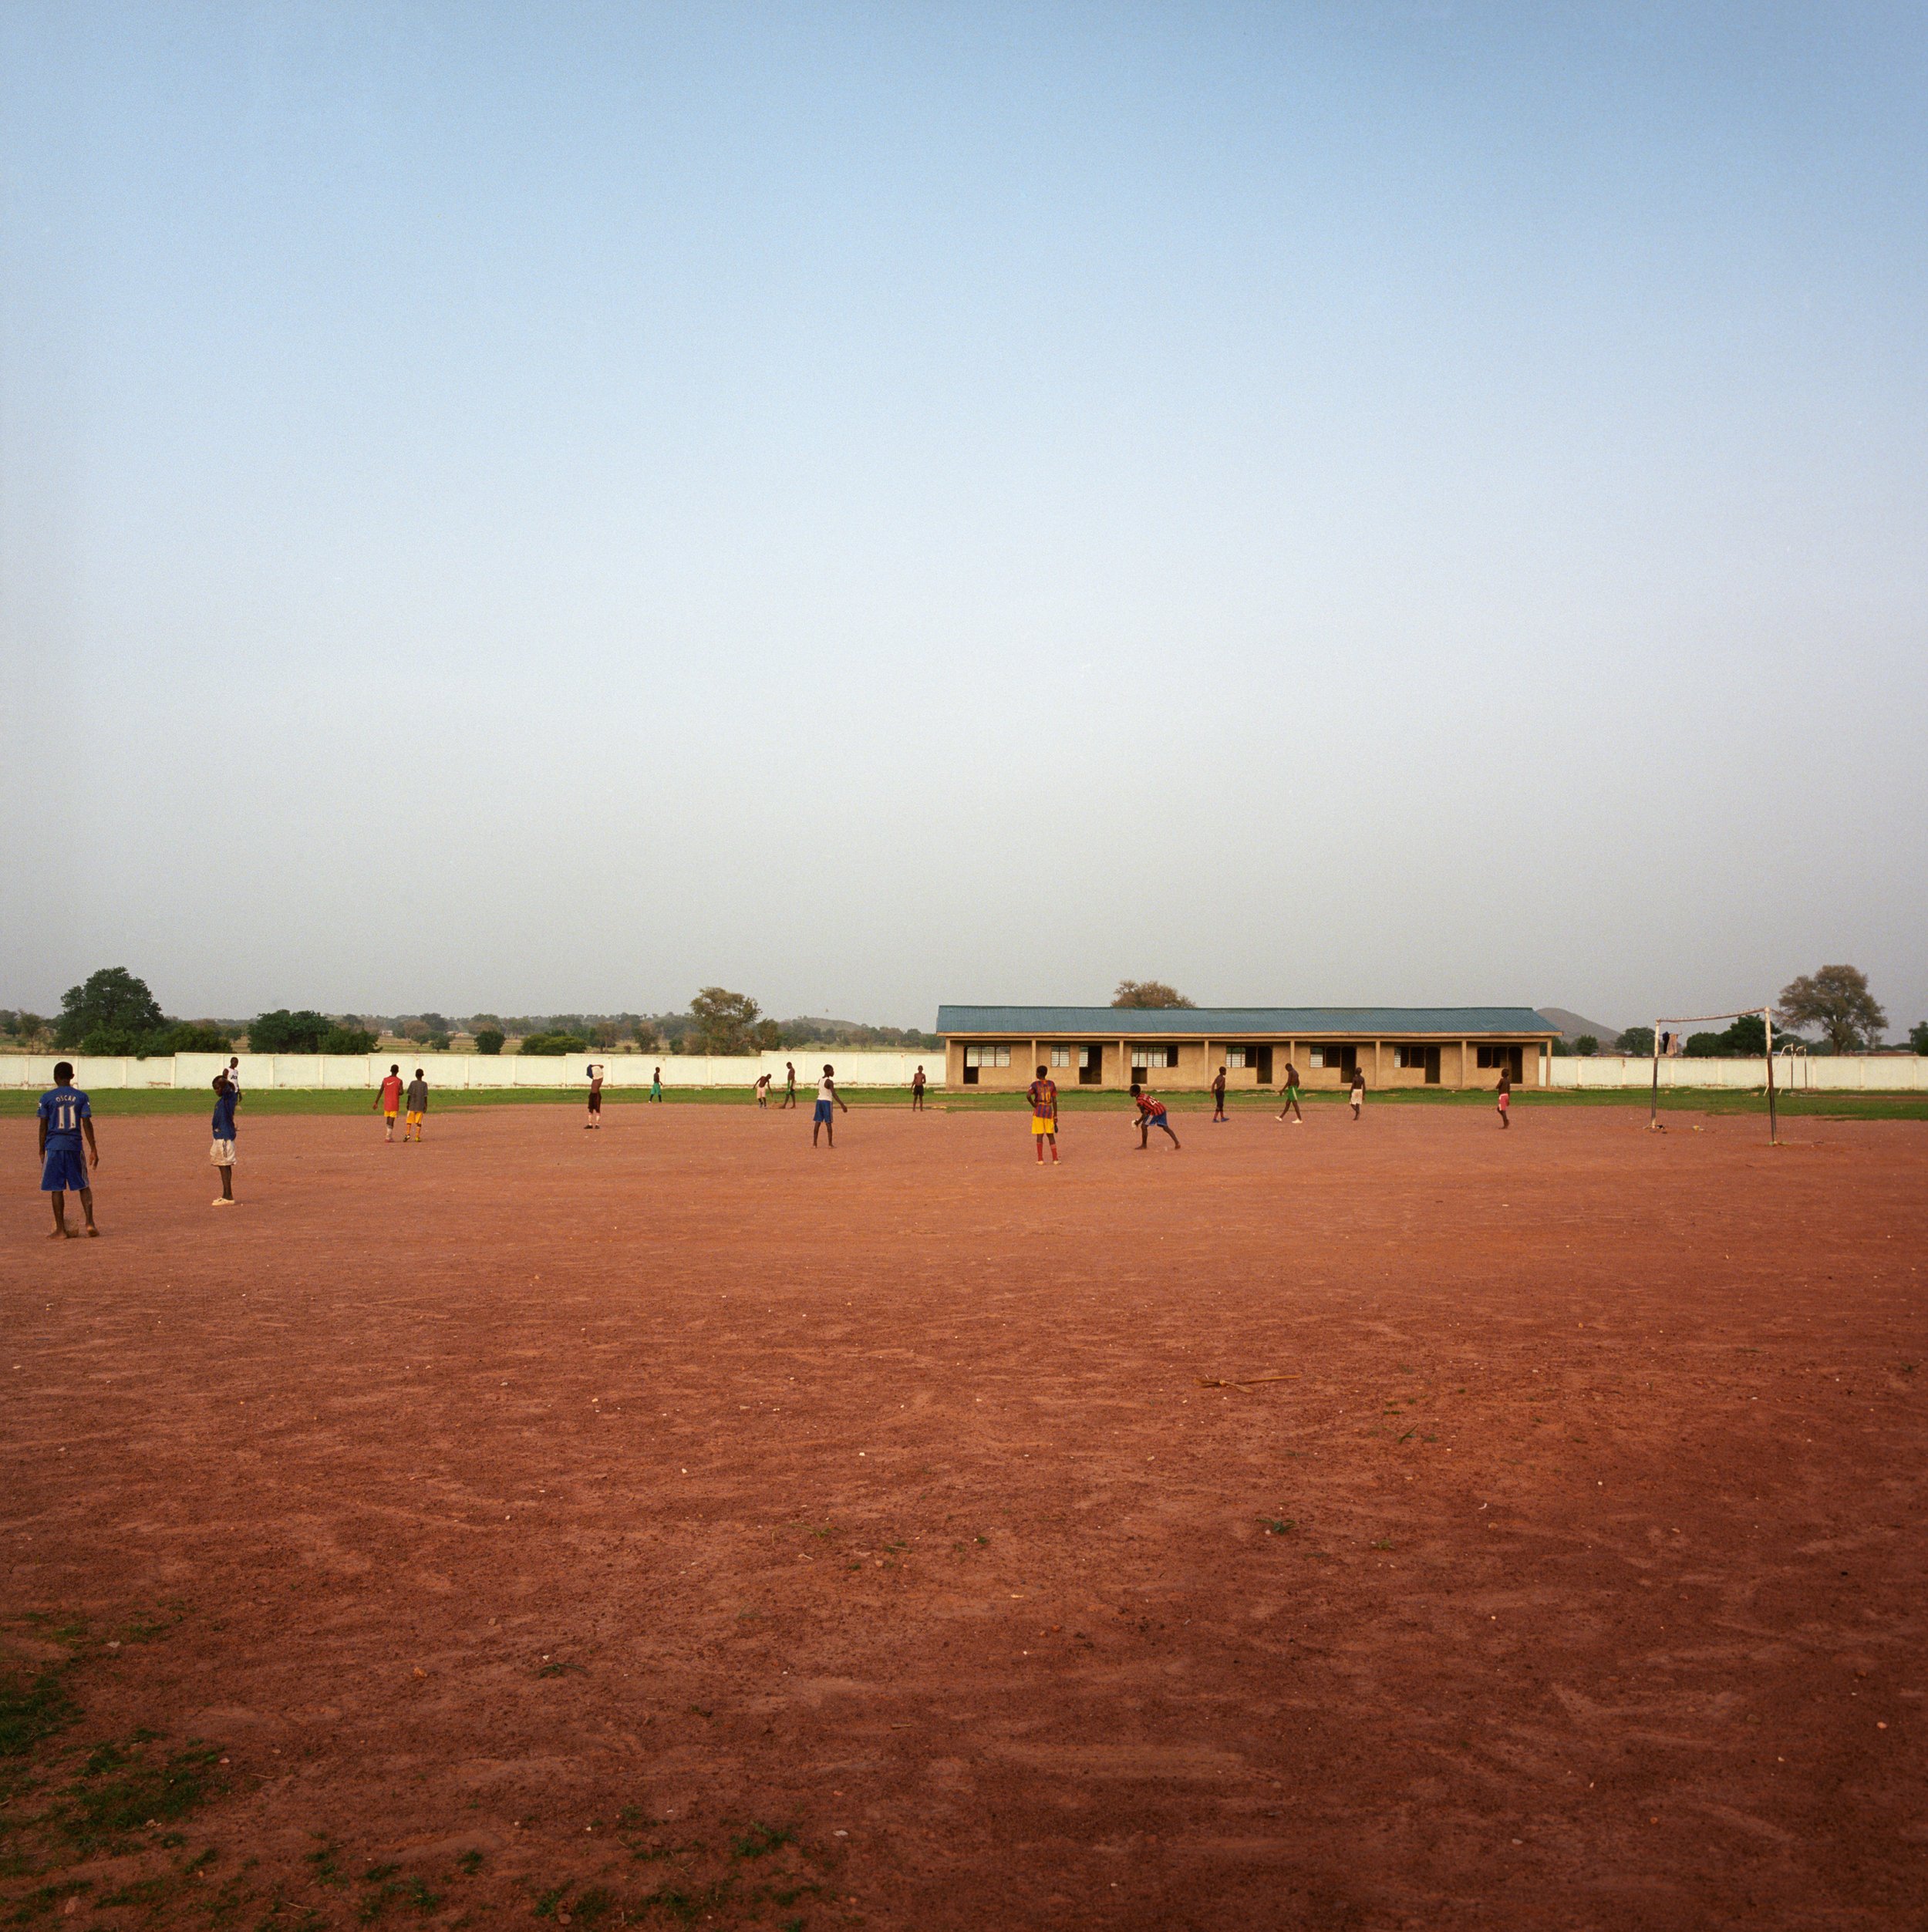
x,y
1151,1114
1044,1095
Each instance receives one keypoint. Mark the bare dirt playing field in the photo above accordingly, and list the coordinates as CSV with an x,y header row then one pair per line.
x,y
673,1525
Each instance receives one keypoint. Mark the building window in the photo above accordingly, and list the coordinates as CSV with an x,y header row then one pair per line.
x,y
987,1056
1512,1058
1235,1056
1421,1059
1344,1059
1060,1056
1154,1056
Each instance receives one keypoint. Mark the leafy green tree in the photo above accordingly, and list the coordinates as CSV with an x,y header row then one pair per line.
x,y
1586,1045
725,1022
1836,1000
489,1040
1705,1045
301,1031
110,1003
1636,1040
113,1043
1746,1037
1917,1035
193,1036
306,1031
1147,993
553,1045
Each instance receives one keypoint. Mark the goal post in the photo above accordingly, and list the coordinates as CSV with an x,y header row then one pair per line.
x,y
1663,1047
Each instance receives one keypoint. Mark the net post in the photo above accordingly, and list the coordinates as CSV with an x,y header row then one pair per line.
x,y
1653,1101
1774,1130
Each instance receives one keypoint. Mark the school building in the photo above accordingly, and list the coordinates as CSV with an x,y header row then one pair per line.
x,y
1173,1047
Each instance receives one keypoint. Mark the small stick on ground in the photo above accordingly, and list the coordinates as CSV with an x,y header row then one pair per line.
x,y
1242,1381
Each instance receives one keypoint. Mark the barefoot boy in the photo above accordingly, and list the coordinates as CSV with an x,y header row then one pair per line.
x,y
1356,1093
66,1115
595,1097
418,1104
1218,1097
1505,1097
917,1092
1290,1091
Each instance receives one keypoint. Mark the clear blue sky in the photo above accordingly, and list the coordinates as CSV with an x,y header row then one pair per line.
x,y
540,508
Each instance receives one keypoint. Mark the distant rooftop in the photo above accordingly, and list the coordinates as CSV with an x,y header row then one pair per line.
x,y
1290,1023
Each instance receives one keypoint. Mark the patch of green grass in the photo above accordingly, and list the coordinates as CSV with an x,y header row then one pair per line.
x,y
31,1708
1280,1525
758,1841
469,1862
688,1904
326,1860
125,1787
592,1905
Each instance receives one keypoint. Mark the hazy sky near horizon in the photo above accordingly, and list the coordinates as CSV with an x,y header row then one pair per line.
x,y
539,509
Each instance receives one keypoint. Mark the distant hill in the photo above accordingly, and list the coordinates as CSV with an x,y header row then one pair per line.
x,y
1572,1025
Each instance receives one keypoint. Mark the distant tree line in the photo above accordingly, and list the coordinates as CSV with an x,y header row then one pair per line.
x,y
113,1012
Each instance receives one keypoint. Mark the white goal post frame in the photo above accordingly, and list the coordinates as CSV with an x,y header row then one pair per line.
x,y
1700,1019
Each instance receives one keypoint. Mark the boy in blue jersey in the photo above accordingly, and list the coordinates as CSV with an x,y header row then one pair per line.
x,y
64,1117
222,1152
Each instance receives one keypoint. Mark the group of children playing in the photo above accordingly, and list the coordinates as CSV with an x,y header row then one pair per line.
x,y
67,1121
1043,1094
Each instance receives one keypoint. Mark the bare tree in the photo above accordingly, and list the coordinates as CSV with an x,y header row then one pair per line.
x,y
1837,1000
1147,993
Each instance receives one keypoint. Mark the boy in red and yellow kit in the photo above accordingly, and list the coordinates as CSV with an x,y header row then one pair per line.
x,y
389,1100
1044,1115
1151,1114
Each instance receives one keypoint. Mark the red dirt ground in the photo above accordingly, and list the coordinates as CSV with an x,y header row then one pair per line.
x,y
576,1499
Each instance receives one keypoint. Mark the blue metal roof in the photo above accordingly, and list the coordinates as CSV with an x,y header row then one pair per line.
x,y
1288,1023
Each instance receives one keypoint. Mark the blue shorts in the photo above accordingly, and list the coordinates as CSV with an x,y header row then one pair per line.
x,y
66,1167
823,1110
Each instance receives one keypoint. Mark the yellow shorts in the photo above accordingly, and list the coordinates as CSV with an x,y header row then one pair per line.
x,y
414,1120
1041,1125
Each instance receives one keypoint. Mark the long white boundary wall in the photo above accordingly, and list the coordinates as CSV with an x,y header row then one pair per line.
x,y
478,1071
1793,1073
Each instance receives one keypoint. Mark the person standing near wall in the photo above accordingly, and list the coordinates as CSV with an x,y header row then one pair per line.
x,y
66,1115
1503,1098
917,1092
1218,1097
789,1084
221,1152
656,1084
1356,1093
595,1097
